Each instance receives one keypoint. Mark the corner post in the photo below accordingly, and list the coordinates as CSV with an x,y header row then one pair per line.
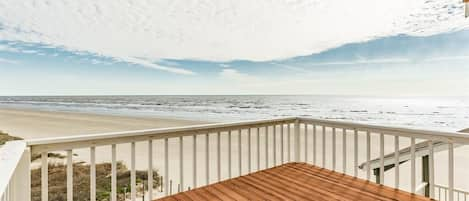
x,y
296,140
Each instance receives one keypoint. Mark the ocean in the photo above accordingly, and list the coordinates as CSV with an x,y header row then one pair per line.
x,y
438,113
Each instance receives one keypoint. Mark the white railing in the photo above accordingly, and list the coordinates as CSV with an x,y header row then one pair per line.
x,y
14,171
228,150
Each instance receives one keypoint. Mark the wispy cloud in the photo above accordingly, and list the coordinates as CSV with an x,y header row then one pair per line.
x,y
143,32
8,61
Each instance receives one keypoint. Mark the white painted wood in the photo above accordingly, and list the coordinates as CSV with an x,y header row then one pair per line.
x,y
333,148
266,130
306,143
314,144
323,146
282,142
381,158
258,147
194,161
249,150
92,174
113,173
22,179
450,172
368,155
181,162
69,175
229,154
240,155
86,141
344,151
101,139
133,176
390,130
355,152
297,139
44,177
412,165
150,170
396,162
15,171
207,159
218,157
431,169
66,143
274,146
166,167
289,142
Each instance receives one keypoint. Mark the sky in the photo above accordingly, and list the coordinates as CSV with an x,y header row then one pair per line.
x,y
336,47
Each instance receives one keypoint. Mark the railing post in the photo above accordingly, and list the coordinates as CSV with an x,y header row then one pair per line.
x,y
296,137
23,184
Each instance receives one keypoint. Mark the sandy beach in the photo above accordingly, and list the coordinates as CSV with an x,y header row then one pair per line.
x,y
30,124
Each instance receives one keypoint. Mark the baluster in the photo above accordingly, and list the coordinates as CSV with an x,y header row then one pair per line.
x,y
368,155
451,171
344,151
218,157
194,161
306,142
381,158
92,174
355,152
150,170
412,164
229,154
314,144
266,130
396,161
44,177
274,147
282,152
113,174
249,150
69,175
166,167
333,148
258,149
181,162
239,153
289,142
296,138
207,159
323,146
133,179
432,169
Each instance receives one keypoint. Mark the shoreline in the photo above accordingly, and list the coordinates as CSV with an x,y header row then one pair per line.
x,y
36,123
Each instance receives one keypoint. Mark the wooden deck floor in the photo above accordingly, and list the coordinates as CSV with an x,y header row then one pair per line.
x,y
295,181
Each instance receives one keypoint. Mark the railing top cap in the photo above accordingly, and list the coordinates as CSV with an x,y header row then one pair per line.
x,y
456,136
135,133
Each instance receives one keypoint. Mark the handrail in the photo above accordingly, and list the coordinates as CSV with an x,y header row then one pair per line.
x,y
454,137
80,141
295,129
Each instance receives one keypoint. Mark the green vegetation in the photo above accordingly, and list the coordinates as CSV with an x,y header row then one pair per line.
x,y
4,137
81,178
81,181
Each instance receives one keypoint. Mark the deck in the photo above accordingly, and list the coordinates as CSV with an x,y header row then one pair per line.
x,y
295,181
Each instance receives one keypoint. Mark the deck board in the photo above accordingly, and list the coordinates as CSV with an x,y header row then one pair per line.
x,y
296,181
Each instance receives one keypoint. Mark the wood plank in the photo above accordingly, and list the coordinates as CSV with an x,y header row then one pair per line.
x,y
296,181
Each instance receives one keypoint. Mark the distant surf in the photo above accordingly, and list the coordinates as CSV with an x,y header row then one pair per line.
x,y
439,113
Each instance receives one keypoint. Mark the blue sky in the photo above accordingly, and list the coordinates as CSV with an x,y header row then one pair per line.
x,y
398,48
397,65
